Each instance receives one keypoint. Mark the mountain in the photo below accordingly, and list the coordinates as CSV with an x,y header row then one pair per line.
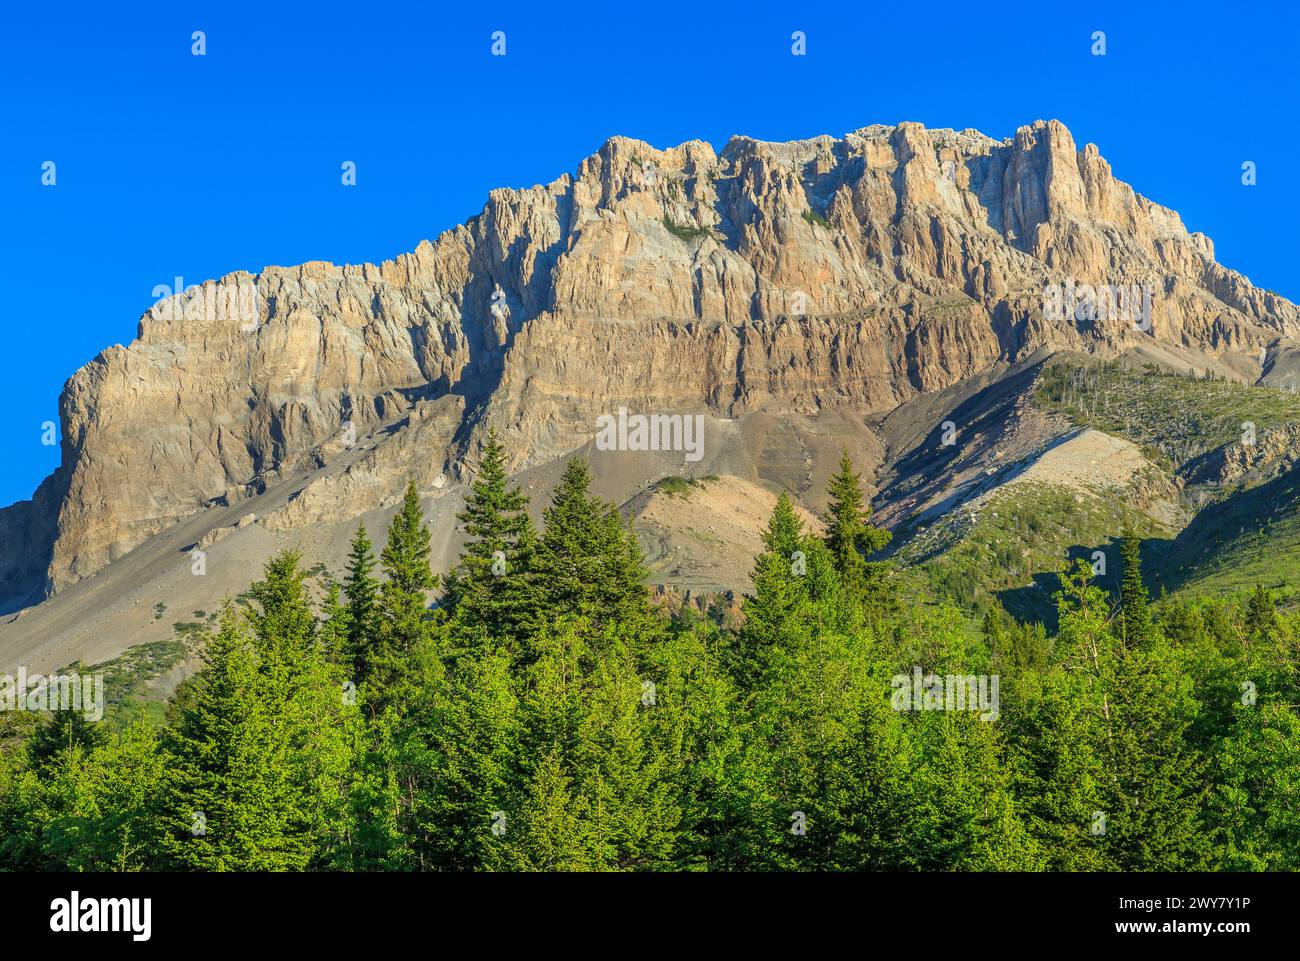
x,y
886,291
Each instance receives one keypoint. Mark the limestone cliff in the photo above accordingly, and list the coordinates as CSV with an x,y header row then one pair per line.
x,y
856,272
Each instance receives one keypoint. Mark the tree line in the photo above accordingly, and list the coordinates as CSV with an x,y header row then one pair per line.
x,y
543,715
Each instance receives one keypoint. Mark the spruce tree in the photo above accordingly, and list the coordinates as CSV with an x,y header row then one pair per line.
x,y
404,616
332,627
231,802
486,585
281,615
849,537
780,578
1135,615
63,731
587,562
362,589
1261,614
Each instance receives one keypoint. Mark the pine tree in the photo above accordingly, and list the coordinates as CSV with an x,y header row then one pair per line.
x,y
850,538
103,804
1261,613
362,589
587,562
486,586
1135,616
405,620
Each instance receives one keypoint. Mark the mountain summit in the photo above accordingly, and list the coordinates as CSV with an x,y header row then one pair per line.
x,y
798,296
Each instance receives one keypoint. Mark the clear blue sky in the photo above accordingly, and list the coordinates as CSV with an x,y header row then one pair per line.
x,y
170,164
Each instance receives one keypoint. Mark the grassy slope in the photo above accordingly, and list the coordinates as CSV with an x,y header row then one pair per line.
x,y
1174,418
1014,549
1249,534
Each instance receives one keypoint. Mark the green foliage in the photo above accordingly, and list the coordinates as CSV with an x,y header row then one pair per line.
x,y
851,539
490,586
816,219
685,231
681,486
1008,551
1177,418
361,619
545,718
403,618
588,561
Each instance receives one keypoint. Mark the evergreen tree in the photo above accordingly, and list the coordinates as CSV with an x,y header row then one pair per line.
x,y
1135,617
231,803
332,628
488,585
587,561
849,536
281,616
404,617
1129,753
362,589
63,731
1261,614
476,741
780,578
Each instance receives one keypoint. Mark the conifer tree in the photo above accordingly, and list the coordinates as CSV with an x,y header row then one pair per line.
x,y
332,628
476,740
1261,613
63,731
405,620
849,536
362,589
231,803
1135,616
486,586
547,833
99,806
587,562
281,616
780,578
1133,710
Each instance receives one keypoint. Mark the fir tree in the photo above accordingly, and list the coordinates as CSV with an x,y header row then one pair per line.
x,y
487,585
362,589
404,618
1135,616
1261,614
849,536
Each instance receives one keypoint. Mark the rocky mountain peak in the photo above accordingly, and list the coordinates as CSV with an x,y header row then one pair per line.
x,y
826,273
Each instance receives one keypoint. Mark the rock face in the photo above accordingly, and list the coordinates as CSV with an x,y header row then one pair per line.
x,y
827,273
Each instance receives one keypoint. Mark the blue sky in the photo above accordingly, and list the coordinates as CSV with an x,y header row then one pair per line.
x,y
172,165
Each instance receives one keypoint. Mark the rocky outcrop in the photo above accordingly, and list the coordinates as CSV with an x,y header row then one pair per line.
x,y
856,272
